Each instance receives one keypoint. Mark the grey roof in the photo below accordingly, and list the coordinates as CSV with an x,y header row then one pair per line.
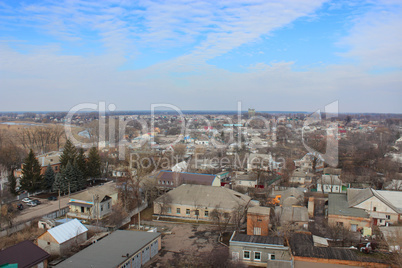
x,y
292,214
259,210
330,180
185,177
338,205
292,194
257,239
108,252
67,231
390,198
334,171
206,196
107,189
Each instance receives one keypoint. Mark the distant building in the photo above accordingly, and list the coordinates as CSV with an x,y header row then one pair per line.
x,y
120,249
306,163
25,255
170,179
59,240
258,220
251,112
329,184
264,251
196,202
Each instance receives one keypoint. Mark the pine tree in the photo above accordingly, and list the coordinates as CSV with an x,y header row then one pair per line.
x,y
48,178
68,174
12,183
57,182
82,163
81,180
68,155
31,178
94,163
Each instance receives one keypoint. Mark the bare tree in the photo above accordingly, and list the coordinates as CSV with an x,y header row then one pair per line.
x,y
163,203
221,219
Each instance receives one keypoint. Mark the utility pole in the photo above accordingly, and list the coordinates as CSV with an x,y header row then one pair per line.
x,y
59,201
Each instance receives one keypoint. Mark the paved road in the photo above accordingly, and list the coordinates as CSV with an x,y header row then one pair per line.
x,y
40,210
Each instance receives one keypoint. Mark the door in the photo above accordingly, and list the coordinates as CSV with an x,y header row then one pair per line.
x,y
353,227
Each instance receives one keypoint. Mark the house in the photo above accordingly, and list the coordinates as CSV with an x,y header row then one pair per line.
x,y
384,207
25,254
60,239
258,220
329,184
301,177
244,180
307,255
121,248
197,202
170,179
263,251
307,162
52,159
94,203
294,217
340,213
292,197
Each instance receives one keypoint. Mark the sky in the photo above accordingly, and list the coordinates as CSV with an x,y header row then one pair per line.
x,y
283,55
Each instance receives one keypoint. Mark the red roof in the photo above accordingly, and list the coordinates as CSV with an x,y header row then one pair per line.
x,y
26,254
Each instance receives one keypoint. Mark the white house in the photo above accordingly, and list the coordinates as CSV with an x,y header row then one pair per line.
x,y
329,184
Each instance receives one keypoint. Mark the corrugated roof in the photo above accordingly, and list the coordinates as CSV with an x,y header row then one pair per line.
x,y
338,205
258,239
205,196
26,254
187,178
107,189
259,210
67,231
109,251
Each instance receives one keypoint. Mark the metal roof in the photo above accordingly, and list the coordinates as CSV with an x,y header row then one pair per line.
x,y
257,239
67,231
109,251
338,205
26,254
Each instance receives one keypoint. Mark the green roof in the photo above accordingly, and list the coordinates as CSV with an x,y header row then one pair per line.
x,y
338,205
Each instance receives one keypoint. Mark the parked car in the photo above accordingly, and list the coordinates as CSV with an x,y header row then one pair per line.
x,y
32,204
52,198
26,200
36,201
20,207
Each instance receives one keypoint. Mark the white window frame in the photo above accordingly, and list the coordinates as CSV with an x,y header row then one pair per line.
x,y
249,255
260,255
270,256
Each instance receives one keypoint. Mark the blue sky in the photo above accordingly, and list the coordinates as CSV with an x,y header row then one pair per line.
x,y
290,55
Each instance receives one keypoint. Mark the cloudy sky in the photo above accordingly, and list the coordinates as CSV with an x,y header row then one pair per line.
x,y
282,55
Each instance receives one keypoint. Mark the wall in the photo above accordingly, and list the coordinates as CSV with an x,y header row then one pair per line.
x,y
372,202
362,222
238,250
259,221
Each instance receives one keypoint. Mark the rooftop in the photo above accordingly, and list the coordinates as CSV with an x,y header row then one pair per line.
x,y
185,177
26,254
67,231
259,210
257,239
108,252
338,205
108,188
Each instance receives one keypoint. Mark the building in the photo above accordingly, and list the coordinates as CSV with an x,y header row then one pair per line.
x,y
25,254
169,179
301,177
197,202
263,251
121,248
329,184
307,255
294,217
263,162
384,207
94,203
340,213
60,239
292,197
258,220
393,237
306,163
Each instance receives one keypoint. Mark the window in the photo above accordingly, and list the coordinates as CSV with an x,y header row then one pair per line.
x,y
159,181
374,208
388,217
163,182
336,188
271,256
257,231
82,209
197,212
101,207
178,210
206,213
246,255
339,223
108,205
259,219
169,210
257,256
187,212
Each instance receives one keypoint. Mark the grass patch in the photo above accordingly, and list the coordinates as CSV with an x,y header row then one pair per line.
x,y
29,233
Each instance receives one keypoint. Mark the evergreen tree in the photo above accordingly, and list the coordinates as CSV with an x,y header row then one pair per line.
x,y
71,181
81,180
82,163
57,182
12,183
94,163
31,178
69,154
48,178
